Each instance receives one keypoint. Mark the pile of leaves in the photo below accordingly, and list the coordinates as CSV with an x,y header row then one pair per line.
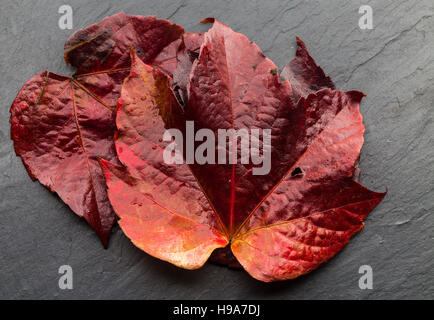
x,y
95,139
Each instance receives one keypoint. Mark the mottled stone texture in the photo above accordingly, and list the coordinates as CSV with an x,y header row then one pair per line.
x,y
393,64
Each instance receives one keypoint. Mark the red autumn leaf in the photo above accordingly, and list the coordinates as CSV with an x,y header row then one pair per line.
x,y
60,130
61,125
177,59
279,225
304,74
100,52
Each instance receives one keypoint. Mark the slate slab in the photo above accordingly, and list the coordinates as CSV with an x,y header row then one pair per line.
x,y
393,64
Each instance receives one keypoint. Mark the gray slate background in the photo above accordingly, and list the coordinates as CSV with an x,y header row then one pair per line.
x,y
393,64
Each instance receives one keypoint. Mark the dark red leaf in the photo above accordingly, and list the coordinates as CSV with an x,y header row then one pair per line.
x,y
304,74
176,60
100,52
61,125
279,225
60,131
225,257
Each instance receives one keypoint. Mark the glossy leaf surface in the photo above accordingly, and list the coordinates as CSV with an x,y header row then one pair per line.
x,y
60,131
279,225
61,125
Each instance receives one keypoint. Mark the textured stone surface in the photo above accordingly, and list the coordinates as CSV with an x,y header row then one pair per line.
x,y
393,64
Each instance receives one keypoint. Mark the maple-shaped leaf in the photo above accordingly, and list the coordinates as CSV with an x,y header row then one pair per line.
x,y
61,125
279,225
